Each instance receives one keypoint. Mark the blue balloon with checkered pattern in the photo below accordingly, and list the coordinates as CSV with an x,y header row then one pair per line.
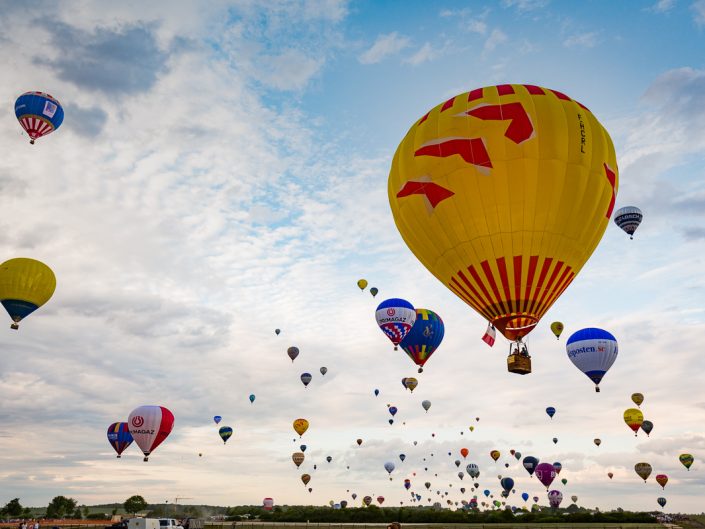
x,y
395,317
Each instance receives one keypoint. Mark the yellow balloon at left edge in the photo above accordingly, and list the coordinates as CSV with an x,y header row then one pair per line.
x,y
25,285
503,193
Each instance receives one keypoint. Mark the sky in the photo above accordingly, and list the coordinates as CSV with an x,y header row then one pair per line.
x,y
222,172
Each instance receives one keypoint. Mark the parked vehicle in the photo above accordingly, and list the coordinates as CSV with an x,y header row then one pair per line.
x,y
143,523
169,523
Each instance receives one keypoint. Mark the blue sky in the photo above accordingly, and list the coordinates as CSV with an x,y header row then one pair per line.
x,y
222,171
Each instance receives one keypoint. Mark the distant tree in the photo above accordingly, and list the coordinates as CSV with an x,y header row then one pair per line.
x,y
135,504
77,514
26,513
86,512
115,510
12,508
60,507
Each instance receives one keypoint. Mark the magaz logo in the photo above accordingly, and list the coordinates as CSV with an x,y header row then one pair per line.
x,y
137,421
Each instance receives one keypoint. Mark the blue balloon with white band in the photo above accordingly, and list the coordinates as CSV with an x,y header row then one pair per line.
x,y
593,351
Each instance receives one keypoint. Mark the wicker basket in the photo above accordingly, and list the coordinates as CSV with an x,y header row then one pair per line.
x,y
520,364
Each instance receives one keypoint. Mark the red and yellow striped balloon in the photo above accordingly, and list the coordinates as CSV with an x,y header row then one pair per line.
x,y
503,193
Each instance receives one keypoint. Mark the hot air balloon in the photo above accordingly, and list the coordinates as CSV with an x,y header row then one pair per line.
x,y
495,454
472,428
424,337
359,442
39,114
293,352
473,470
557,467
643,470
323,370
407,484
119,437
530,463
376,392
457,462
597,442
302,448
426,405
306,379
252,398
367,500
225,433
343,504
374,291
546,473
305,478
362,284
149,426
297,458
277,331
389,467
217,419
555,497
395,317
427,485
472,190
637,398
402,457
628,219
564,481
300,426
557,329
610,475
555,440
551,411
593,351
524,496
686,460
25,285
507,484
392,410
464,452
329,458
268,504
662,479
633,418
380,499
647,426
410,383
661,502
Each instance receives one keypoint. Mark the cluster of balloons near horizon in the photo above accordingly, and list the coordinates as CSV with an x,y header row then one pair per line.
x,y
362,285
148,426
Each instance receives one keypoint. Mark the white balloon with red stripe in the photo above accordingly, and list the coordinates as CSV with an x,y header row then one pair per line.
x,y
149,426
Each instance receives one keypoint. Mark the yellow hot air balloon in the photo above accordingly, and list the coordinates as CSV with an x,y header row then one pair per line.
x,y
362,283
637,398
300,426
643,470
634,419
503,193
25,285
557,329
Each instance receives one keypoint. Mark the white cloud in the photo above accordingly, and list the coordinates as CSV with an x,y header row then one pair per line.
x,y
384,46
663,6
477,26
582,40
290,70
698,8
424,54
525,5
497,37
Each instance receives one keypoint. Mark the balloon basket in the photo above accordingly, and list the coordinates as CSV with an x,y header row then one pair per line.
x,y
14,326
519,364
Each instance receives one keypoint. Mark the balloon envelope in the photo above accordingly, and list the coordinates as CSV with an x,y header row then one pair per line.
x,y
25,285
628,219
298,458
293,352
530,463
119,437
495,454
323,370
551,411
474,193
637,398
362,284
546,473
225,433
426,404
555,497
39,114
395,317
557,328
252,398
643,470
306,378
150,426
593,351
647,426
217,419
300,426
686,460
424,337
634,418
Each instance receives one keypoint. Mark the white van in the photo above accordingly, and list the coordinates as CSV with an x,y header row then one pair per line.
x,y
143,523
169,523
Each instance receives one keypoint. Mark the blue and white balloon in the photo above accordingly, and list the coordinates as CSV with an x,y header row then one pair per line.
x,y
593,351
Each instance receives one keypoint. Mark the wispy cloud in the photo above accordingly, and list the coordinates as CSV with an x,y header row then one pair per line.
x,y
496,37
698,8
525,5
385,46
662,6
582,40
424,54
